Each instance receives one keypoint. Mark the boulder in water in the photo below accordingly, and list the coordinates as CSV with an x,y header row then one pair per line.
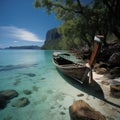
x,y
21,102
9,94
3,102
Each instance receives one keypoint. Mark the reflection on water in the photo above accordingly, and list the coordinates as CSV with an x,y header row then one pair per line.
x,y
14,57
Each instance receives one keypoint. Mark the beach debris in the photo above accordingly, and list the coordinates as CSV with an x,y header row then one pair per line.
x,y
80,95
80,110
21,102
5,96
115,91
27,92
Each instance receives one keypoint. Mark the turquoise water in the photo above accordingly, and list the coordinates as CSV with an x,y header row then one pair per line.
x,y
46,97
52,93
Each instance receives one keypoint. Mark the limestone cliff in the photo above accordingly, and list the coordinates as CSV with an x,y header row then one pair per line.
x,y
52,39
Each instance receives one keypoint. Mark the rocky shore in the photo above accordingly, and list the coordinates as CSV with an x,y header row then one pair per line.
x,y
106,74
107,64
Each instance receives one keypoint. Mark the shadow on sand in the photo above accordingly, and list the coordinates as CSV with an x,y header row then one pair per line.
x,y
93,90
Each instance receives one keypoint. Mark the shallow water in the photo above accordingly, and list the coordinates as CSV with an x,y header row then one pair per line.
x,y
52,92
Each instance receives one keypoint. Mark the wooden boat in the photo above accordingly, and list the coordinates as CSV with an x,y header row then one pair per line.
x,y
77,71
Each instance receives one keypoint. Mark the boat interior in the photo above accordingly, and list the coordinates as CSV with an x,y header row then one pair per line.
x,y
62,61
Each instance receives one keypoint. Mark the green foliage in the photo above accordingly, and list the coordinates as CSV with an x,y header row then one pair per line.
x,y
82,22
70,33
113,15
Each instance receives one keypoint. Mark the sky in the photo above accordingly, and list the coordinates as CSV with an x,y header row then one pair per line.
x,y
22,24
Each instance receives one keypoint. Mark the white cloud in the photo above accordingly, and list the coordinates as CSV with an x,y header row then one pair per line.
x,y
16,41
20,34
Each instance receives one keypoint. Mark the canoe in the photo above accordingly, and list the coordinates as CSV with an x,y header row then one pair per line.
x,y
77,71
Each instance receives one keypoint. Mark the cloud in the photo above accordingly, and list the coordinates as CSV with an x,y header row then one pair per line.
x,y
15,41
20,34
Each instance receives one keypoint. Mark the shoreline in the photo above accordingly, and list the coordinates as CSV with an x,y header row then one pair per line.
x,y
63,98
52,93
105,85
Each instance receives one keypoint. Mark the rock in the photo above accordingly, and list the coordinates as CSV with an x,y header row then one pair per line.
x,y
80,95
3,102
105,82
84,53
80,110
5,96
115,72
52,34
27,92
101,71
110,49
115,59
115,91
62,113
101,68
52,39
9,94
21,102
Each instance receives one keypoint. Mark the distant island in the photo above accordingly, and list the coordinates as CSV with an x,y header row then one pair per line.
x,y
24,47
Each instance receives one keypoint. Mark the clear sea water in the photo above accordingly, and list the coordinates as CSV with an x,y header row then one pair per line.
x,y
52,92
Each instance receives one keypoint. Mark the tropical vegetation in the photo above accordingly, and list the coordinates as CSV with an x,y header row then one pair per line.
x,y
81,22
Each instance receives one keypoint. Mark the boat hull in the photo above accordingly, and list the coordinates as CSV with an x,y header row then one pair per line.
x,y
74,70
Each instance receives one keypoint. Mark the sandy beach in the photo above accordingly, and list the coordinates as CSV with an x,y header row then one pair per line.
x,y
105,83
